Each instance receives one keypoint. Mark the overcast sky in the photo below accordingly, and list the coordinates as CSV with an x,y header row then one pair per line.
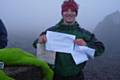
x,y
37,15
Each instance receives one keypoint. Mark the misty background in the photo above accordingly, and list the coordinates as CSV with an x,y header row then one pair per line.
x,y
36,15
25,19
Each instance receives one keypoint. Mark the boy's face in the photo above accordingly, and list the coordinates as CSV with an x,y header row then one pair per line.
x,y
69,16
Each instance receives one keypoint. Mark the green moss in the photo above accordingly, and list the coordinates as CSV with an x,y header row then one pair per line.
x,y
3,76
16,56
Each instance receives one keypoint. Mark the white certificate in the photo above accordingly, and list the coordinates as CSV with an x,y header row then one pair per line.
x,y
82,53
59,42
90,52
79,55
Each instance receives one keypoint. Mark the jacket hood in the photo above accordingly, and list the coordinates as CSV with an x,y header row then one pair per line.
x,y
61,24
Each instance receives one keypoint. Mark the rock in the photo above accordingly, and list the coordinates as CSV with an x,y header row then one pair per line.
x,y
24,72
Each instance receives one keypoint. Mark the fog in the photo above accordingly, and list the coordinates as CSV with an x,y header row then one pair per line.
x,y
36,15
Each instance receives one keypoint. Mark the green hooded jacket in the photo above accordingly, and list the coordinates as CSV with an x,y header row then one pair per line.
x,y
64,63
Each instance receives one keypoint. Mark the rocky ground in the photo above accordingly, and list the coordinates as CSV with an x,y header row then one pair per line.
x,y
24,73
106,67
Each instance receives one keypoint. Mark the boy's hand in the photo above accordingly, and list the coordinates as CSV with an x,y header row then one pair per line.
x,y
42,39
80,42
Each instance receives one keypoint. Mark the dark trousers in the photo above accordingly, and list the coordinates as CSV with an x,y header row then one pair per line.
x,y
79,76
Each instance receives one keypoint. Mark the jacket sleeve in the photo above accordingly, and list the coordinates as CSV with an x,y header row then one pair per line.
x,y
3,35
34,44
49,29
93,42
